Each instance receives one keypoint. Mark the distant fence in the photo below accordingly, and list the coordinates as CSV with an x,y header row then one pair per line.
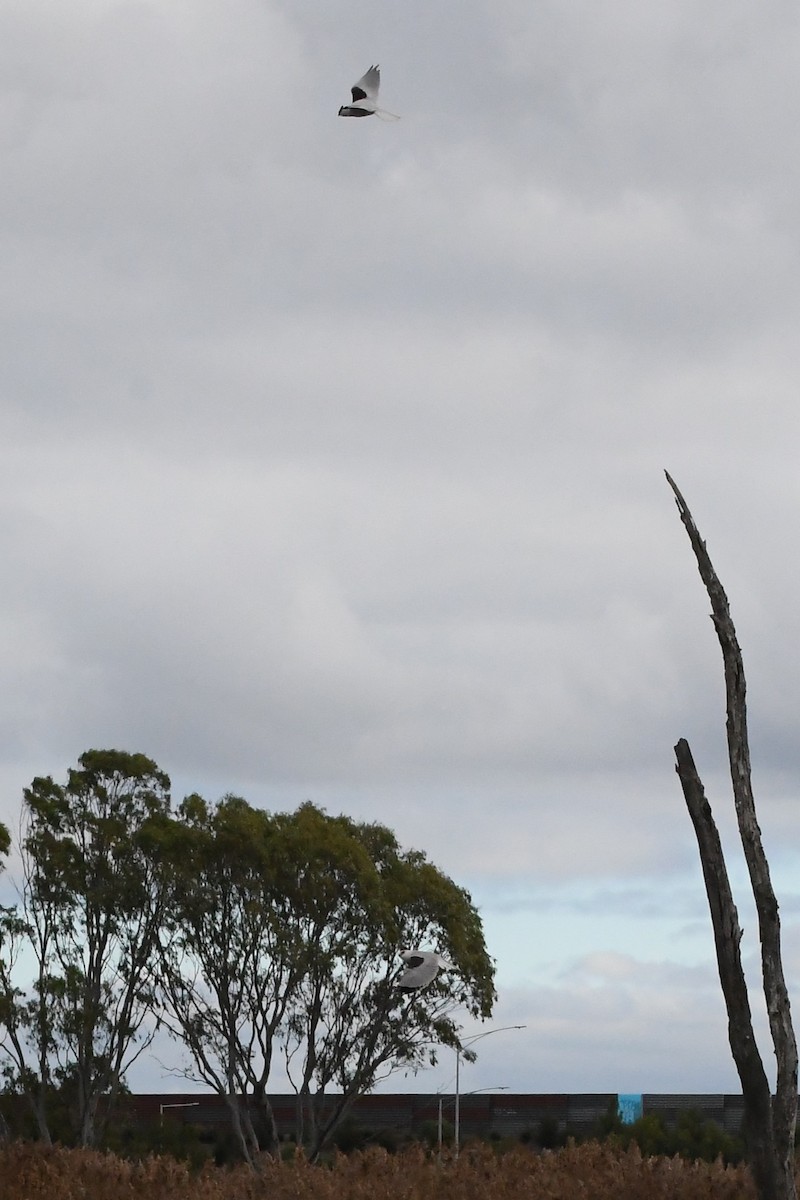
x,y
500,1113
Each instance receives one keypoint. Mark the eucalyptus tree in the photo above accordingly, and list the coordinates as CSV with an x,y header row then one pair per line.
x,y
27,1017
283,932
91,905
228,962
349,1024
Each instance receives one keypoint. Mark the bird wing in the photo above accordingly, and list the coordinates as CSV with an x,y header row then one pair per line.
x,y
367,86
422,967
415,978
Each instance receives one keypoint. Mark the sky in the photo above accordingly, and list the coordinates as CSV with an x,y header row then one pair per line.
x,y
332,459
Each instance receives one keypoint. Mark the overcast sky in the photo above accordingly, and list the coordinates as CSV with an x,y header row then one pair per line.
x,y
332,453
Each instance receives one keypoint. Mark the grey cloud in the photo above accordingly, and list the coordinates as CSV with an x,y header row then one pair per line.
x,y
332,457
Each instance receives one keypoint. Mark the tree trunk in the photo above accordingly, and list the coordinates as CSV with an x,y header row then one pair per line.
x,y
39,1106
770,1122
727,937
242,1129
269,1143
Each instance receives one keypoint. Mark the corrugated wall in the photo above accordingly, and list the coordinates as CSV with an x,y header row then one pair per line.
x,y
502,1113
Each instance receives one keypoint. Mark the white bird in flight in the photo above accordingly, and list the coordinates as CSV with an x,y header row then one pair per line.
x,y
422,967
365,98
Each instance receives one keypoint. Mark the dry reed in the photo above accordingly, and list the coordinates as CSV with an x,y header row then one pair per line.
x,y
592,1171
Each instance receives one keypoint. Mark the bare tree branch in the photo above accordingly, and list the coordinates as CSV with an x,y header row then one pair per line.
x,y
784,1107
727,939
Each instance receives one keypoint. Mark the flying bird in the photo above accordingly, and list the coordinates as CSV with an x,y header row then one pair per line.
x,y
422,967
365,98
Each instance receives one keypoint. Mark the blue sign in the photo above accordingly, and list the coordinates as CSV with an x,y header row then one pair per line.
x,y
629,1107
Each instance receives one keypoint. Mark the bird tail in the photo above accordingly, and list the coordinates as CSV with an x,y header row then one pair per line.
x,y
386,116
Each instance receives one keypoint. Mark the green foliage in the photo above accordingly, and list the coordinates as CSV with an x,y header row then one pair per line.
x,y
184,1142
284,934
698,1138
427,1132
693,1137
348,1024
229,955
350,1137
92,902
245,933
550,1135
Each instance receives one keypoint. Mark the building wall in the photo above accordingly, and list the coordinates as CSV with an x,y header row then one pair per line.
x,y
502,1113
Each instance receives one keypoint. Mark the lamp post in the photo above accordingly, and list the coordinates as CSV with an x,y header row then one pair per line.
x,y
497,1088
469,1042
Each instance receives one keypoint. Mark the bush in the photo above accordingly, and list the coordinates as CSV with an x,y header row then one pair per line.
x,y
350,1137
694,1137
427,1132
185,1142
550,1135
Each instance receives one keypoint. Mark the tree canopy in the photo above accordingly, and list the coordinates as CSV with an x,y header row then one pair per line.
x,y
284,936
92,903
253,937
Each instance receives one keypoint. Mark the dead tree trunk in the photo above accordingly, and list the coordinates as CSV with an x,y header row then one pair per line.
x,y
770,1121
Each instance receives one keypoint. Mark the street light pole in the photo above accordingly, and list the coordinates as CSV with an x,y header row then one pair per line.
x,y
457,1110
459,1048
498,1087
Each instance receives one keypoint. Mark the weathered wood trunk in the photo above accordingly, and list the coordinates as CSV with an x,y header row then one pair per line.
x,y
770,1121
727,937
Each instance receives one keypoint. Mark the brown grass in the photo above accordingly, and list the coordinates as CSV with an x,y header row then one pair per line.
x,y
588,1172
